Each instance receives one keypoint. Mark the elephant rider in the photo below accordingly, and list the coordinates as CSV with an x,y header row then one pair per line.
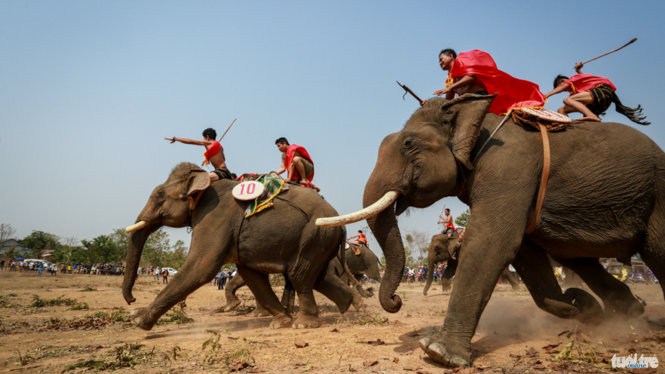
x,y
214,154
297,162
361,240
447,221
476,72
591,95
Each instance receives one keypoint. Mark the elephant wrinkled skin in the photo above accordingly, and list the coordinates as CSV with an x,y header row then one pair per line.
x,y
605,198
283,239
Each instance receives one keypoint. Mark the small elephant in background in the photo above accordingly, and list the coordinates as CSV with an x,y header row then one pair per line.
x,y
360,260
444,248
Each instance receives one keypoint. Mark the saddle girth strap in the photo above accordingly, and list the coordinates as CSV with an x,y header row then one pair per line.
x,y
535,217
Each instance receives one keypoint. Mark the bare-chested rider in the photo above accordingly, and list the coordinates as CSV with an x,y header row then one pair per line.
x,y
214,153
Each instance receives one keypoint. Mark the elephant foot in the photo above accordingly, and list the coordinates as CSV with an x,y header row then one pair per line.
x,y
280,321
357,302
632,308
139,316
437,351
590,311
231,304
261,312
305,322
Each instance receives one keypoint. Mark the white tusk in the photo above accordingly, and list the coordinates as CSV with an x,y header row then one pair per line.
x,y
368,212
137,226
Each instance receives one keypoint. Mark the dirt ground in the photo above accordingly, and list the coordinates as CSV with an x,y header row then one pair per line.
x,y
90,330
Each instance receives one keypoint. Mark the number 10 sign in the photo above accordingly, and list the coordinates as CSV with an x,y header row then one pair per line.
x,y
248,190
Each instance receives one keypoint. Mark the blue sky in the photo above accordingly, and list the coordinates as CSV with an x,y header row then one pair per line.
x,y
89,89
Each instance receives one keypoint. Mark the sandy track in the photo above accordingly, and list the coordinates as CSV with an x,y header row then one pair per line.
x,y
513,335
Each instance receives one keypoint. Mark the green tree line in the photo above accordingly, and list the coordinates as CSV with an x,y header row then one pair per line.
x,y
103,249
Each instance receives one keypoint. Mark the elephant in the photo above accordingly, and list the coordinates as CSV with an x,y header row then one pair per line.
x,y
357,265
605,197
363,263
441,249
282,239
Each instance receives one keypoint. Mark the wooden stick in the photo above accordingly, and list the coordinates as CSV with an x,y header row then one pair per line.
x,y
227,129
605,54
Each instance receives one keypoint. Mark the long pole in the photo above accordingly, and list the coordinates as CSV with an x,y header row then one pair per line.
x,y
227,129
633,40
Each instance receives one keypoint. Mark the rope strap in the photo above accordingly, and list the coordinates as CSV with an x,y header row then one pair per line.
x,y
533,220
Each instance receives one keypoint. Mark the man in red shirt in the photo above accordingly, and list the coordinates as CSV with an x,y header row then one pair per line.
x,y
362,239
214,153
476,72
447,221
591,95
296,162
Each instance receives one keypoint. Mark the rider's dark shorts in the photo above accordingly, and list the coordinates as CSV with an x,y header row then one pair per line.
x,y
224,173
603,96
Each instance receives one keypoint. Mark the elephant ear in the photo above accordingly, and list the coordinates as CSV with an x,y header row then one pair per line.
x,y
197,182
466,112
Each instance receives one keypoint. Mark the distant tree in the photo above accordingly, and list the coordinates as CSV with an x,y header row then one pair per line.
x,y
176,256
155,247
65,252
6,232
102,250
418,243
463,218
39,241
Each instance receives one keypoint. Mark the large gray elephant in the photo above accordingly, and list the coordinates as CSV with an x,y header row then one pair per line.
x,y
282,239
605,198
444,248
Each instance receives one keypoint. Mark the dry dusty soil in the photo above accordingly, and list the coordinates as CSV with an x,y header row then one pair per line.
x,y
77,323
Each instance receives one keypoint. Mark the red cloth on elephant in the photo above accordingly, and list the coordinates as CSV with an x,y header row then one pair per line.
x,y
512,93
290,153
362,238
585,82
214,149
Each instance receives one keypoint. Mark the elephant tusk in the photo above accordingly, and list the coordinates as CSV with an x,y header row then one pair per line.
x,y
137,226
372,210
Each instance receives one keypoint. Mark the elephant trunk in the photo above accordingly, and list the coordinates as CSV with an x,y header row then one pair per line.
x,y
137,240
385,230
373,269
430,273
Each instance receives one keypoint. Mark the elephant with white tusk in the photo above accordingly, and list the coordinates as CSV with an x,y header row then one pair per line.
x,y
282,239
605,198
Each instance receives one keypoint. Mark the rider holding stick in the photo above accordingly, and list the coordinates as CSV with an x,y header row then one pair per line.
x,y
214,153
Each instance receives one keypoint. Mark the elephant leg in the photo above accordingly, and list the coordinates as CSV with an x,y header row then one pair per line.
x,y
332,287
289,295
510,279
232,301
199,268
288,299
653,253
533,266
448,274
616,296
259,284
479,265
